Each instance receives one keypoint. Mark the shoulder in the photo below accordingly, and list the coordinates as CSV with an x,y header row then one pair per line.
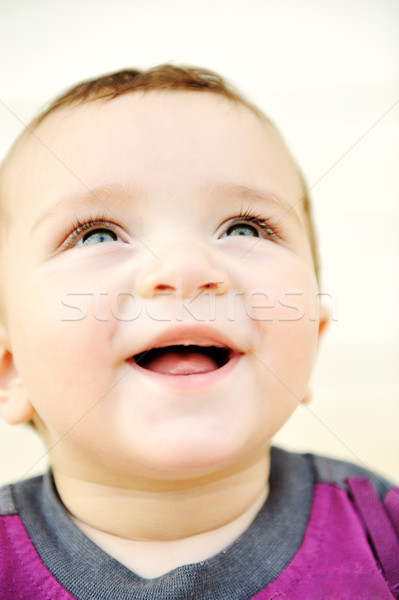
x,y
337,472
7,504
23,492
327,470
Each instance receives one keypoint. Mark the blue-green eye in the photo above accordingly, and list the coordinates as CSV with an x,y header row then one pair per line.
x,y
247,225
98,236
97,231
242,229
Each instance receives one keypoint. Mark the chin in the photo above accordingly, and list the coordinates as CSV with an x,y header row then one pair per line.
x,y
195,455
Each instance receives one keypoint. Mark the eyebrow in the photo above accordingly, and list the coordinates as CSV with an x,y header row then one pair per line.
x,y
101,195
258,195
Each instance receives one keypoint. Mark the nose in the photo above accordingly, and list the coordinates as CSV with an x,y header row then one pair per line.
x,y
184,269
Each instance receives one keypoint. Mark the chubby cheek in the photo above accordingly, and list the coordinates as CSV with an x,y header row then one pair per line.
x,y
284,310
62,354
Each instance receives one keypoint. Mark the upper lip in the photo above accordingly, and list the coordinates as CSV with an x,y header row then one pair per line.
x,y
204,336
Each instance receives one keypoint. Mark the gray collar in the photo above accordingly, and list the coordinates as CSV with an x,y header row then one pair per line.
x,y
239,571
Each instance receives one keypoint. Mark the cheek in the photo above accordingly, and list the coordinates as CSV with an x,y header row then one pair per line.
x,y
61,347
283,305
285,290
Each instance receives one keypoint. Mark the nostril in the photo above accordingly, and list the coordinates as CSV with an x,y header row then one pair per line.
x,y
183,275
164,286
209,286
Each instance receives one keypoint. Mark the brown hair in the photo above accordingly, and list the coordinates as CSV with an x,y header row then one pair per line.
x,y
162,77
169,78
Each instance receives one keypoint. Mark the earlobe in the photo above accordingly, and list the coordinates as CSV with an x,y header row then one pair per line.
x,y
324,320
15,406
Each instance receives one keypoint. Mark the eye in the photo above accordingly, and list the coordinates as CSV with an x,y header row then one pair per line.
x,y
91,232
97,236
242,229
251,226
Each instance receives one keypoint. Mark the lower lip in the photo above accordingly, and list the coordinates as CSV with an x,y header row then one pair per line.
x,y
188,382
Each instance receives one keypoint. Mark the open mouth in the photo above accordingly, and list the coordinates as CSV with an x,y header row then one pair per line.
x,y
184,360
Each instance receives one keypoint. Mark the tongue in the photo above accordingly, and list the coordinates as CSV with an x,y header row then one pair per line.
x,y
173,362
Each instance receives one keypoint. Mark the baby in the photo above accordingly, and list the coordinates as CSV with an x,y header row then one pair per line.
x,y
159,323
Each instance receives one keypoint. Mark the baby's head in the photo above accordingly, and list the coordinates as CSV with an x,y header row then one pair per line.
x,y
159,301
161,78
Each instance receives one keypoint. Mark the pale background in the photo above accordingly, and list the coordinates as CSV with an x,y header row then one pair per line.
x,y
327,73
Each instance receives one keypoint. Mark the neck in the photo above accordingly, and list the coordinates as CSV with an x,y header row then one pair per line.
x,y
175,521
166,509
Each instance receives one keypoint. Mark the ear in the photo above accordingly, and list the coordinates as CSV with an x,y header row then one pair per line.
x,y
324,321
15,406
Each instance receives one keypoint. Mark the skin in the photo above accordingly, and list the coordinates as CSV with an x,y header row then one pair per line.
x,y
168,470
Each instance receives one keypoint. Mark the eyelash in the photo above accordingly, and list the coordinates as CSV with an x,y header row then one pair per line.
x,y
80,227
266,227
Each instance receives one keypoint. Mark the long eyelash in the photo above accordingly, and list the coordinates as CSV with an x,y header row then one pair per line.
x,y
80,225
265,224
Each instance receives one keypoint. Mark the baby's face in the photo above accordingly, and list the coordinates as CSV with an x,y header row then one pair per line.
x,y
164,220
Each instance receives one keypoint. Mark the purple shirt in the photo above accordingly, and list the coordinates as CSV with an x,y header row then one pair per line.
x,y
333,561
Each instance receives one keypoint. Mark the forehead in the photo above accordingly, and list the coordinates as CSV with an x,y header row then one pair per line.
x,y
177,140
